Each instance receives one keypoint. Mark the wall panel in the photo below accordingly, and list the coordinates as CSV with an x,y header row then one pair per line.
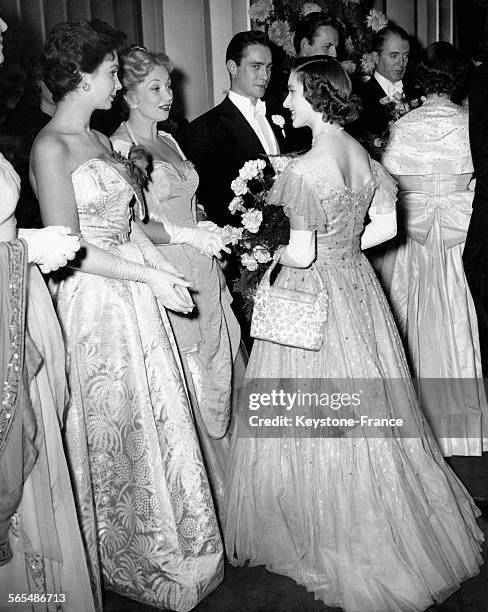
x,y
427,20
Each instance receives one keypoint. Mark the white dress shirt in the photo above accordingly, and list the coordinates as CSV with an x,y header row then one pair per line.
x,y
256,117
387,86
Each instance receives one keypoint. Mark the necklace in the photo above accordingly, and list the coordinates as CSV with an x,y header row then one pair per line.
x,y
326,129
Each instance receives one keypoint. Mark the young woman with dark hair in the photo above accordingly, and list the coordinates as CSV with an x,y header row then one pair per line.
x,y
142,492
363,518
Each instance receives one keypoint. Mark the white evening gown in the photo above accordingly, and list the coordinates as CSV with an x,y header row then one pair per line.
x,y
422,272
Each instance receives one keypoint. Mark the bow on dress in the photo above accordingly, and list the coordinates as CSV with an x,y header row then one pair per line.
x,y
450,208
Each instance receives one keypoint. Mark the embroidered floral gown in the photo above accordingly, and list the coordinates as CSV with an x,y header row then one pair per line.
x,y
141,488
48,555
368,522
423,276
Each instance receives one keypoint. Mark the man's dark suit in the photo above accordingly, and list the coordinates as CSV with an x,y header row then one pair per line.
x,y
374,117
219,143
475,255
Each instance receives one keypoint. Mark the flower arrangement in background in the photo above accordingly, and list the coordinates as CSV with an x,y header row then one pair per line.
x,y
264,227
278,18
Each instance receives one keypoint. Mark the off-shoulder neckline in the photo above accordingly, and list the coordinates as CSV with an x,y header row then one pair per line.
x,y
335,183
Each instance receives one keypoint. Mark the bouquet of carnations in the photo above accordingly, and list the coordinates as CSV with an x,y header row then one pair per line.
x,y
264,227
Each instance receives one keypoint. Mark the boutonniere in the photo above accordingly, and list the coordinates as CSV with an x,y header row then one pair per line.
x,y
395,98
279,120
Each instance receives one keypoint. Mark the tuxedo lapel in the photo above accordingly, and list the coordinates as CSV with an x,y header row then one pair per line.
x,y
240,130
377,92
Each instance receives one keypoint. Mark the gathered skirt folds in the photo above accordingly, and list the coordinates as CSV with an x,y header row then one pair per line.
x,y
430,299
48,565
366,523
142,492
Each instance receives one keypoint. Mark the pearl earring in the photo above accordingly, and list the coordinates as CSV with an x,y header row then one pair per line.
x,y
86,86
134,106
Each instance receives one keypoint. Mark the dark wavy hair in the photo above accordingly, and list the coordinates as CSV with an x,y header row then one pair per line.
x,y
75,47
308,26
327,87
439,70
236,49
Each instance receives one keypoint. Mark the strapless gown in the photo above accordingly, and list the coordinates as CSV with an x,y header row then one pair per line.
x,y
367,521
141,488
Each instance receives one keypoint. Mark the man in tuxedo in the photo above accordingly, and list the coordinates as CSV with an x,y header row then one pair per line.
x,y
236,130
391,49
475,256
317,35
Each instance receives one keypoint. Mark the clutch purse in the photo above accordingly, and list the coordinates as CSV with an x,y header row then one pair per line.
x,y
290,317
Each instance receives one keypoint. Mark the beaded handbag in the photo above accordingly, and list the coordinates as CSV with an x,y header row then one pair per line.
x,y
290,317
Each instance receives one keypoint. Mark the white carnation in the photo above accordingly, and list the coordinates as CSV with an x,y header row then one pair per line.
x,y
249,170
237,204
252,220
239,186
261,254
249,262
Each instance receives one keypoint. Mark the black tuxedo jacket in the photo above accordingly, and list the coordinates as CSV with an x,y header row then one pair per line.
x,y
476,247
374,117
219,143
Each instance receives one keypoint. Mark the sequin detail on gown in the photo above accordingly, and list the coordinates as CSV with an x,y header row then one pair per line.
x,y
368,524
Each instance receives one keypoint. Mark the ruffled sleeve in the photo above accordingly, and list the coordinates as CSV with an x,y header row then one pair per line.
x,y
385,195
300,200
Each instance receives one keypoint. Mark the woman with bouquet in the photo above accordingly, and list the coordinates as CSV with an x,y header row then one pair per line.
x,y
367,519
209,340
142,492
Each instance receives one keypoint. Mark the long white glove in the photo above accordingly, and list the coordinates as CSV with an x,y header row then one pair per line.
x,y
300,251
51,247
166,287
210,225
155,258
206,241
150,252
382,227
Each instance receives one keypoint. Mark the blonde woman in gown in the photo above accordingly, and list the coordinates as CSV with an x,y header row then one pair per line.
x,y
141,488
209,339
422,270
367,523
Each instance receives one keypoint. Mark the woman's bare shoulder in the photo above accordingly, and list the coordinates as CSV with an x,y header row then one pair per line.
x,y
49,143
